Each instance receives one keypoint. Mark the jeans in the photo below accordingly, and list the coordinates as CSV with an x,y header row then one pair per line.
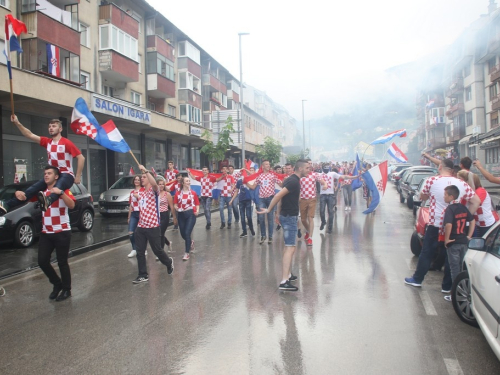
x,y
186,220
347,193
456,253
132,224
289,224
225,201
142,237
429,247
206,203
60,242
328,200
246,210
164,221
64,182
236,210
264,203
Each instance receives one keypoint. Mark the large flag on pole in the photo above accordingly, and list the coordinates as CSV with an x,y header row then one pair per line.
x,y
376,180
356,184
397,154
387,137
83,122
13,28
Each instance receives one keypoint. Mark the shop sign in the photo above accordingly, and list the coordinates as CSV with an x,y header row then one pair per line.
x,y
118,108
194,131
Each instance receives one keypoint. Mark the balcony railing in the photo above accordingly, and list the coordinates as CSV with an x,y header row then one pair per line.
x,y
117,68
156,43
437,142
160,87
111,13
495,103
457,109
456,87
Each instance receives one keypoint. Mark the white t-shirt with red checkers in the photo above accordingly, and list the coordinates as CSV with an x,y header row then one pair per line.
x,y
186,200
330,178
267,181
227,188
170,174
434,188
207,185
60,154
308,185
485,215
56,217
149,215
133,201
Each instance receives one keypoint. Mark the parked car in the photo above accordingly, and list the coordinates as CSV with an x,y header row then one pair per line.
x,y
24,223
404,173
409,185
416,197
421,222
114,201
476,290
398,168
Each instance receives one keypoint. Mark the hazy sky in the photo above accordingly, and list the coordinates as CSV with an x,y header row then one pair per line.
x,y
326,52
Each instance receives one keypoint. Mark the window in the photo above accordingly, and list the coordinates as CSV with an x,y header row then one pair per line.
x,y
85,80
5,3
186,49
190,113
493,91
84,35
494,119
492,155
468,119
467,71
158,64
152,106
73,10
468,93
189,81
171,110
492,64
135,97
110,37
108,90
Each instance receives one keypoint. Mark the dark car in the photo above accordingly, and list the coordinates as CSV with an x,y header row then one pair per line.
x,y
396,168
24,223
402,175
409,185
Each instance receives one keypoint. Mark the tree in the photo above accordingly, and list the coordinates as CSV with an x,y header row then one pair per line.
x,y
292,159
217,151
270,150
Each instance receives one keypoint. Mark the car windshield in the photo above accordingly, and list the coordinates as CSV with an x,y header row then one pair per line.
x,y
416,178
7,192
124,183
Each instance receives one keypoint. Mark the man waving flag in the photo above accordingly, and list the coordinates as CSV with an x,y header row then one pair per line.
x,y
397,154
376,180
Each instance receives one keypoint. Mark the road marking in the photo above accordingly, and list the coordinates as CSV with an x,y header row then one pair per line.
x,y
411,266
453,366
428,306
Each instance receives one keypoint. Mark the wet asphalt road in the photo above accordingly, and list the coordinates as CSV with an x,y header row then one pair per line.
x,y
222,313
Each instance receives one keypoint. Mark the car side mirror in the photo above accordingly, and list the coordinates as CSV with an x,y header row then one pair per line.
x,y
477,244
417,203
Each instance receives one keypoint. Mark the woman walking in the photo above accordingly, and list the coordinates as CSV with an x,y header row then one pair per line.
x,y
165,202
186,204
133,212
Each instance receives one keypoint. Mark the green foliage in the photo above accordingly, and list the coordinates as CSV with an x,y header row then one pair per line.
x,y
270,150
217,151
292,159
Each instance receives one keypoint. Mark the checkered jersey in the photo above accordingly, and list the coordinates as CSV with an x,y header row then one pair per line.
x,y
347,172
170,174
485,215
308,185
56,217
227,188
266,181
186,200
60,154
149,215
163,199
237,175
330,178
207,185
175,187
434,188
133,201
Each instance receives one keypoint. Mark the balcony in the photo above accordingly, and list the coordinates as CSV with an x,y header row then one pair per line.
x,y
41,26
437,142
114,15
214,83
457,109
457,134
495,73
117,68
456,87
189,97
160,87
495,103
157,44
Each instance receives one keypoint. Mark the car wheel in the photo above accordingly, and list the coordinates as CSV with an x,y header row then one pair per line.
x,y
86,221
415,208
461,298
409,202
401,198
415,245
24,234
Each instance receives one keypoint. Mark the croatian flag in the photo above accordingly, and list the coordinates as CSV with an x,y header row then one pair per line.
x,y
430,104
131,172
397,154
53,61
83,122
376,181
387,137
250,164
356,184
13,28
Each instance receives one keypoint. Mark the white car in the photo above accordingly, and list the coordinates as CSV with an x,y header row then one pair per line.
x,y
476,290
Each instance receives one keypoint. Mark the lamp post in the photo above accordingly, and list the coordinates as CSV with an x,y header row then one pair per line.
x,y
242,109
303,129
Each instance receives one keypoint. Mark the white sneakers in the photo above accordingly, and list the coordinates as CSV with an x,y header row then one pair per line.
x,y
132,254
347,208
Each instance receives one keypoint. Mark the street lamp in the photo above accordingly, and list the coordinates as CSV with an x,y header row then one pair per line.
x,y
242,109
303,129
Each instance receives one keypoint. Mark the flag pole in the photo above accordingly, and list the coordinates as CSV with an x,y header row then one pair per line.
x,y
131,153
11,98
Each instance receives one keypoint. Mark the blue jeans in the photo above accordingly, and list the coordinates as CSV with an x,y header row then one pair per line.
x,y
186,220
246,210
225,201
429,247
289,224
206,203
264,203
132,225
236,209
64,182
328,200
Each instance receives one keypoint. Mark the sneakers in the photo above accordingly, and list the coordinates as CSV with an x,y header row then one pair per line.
x,y
207,227
329,230
42,199
176,227
292,278
2,291
306,237
132,254
140,279
243,235
223,225
288,287
3,208
322,226
346,208
447,298
252,231
262,239
278,227
411,281
229,226
55,292
270,240
299,233
445,291
309,241
65,294
170,269
186,256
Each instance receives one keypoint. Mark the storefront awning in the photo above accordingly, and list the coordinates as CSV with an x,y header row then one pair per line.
x,y
492,135
465,139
